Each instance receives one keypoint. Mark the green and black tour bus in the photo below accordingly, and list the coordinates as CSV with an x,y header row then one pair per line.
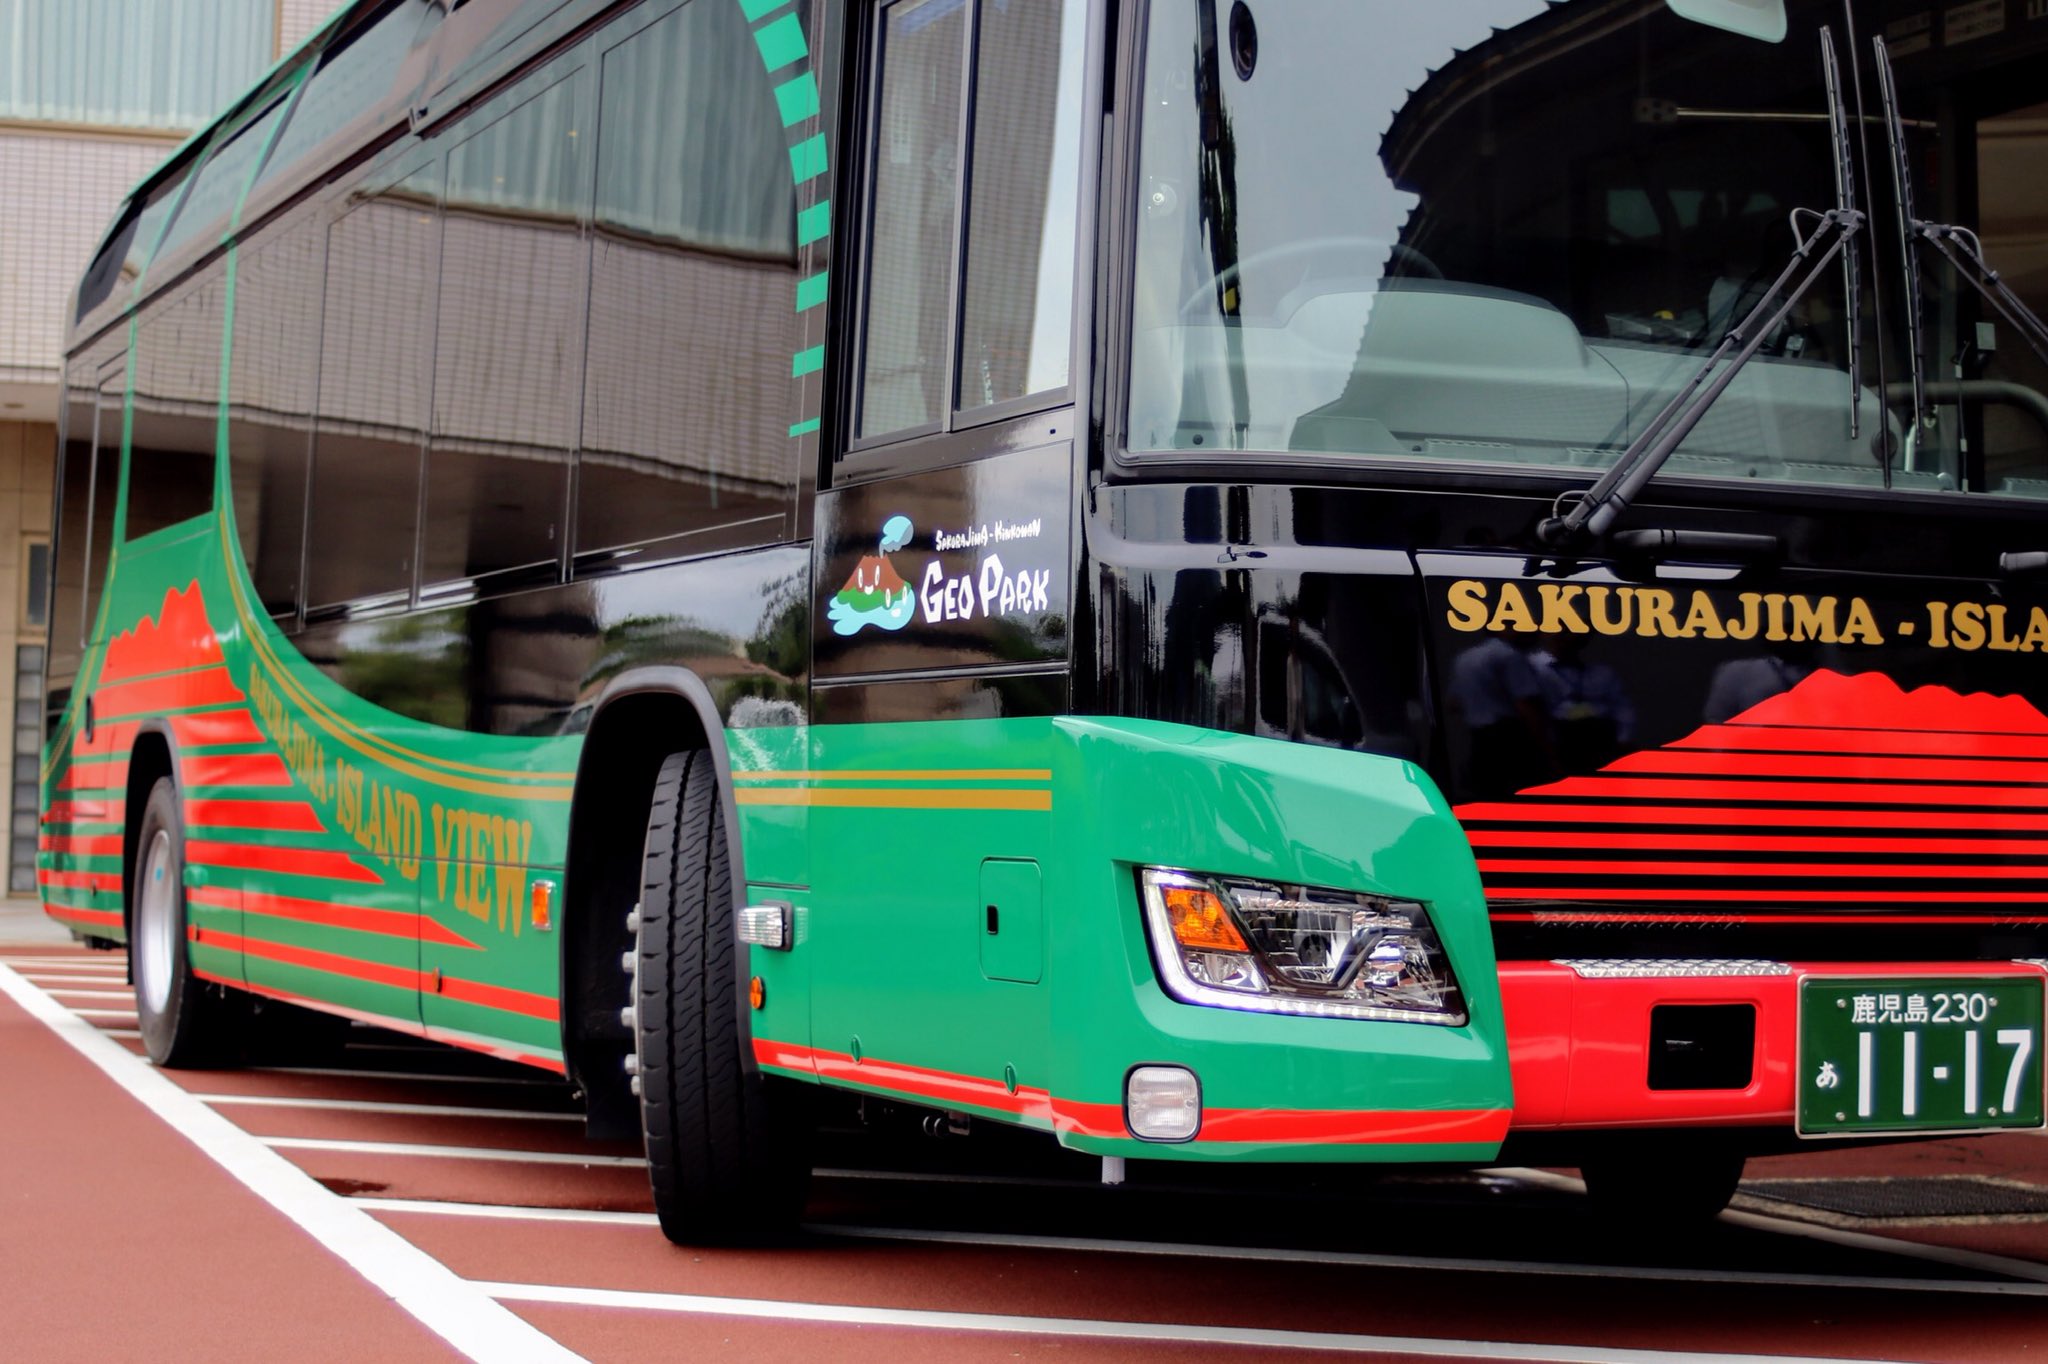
x,y
1234,581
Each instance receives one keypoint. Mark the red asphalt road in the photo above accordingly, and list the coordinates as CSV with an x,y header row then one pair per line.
x,y
121,1238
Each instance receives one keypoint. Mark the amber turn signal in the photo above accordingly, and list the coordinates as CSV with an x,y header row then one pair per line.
x,y
1200,921
757,993
544,905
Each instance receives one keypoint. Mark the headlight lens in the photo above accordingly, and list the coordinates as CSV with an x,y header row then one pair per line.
x,y
1242,944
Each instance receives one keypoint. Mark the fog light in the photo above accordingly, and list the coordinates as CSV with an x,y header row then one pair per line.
x,y
1162,1103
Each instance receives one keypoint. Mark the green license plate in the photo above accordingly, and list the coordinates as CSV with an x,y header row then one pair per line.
x,y
1926,1054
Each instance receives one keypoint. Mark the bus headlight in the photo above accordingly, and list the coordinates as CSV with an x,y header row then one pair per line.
x,y
1234,943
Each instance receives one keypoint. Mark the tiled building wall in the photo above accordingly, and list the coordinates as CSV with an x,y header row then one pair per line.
x,y
67,187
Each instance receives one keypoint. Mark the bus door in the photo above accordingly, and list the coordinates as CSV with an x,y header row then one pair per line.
x,y
943,556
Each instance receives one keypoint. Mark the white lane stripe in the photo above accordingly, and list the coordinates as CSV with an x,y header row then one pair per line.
x,y
2029,1270
449,1306
1429,1263
62,993
508,1213
88,977
135,1033
128,1014
343,1073
67,960
409,1148
1095,1328
366,1106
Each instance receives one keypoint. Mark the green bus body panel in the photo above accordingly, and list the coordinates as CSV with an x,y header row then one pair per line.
x,y
890,936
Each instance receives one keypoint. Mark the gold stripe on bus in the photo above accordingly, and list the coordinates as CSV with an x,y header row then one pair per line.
x,y
908,774
392,755
902,798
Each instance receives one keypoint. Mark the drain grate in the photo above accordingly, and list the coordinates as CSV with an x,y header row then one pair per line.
x,y
1935,1196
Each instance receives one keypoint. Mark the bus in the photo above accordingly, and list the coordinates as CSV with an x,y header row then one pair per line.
x,y
1232,582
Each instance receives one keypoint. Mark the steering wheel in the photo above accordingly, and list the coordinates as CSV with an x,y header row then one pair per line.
x,y
1406,260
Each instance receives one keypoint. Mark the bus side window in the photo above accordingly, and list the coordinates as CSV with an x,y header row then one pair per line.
x,y
271,371
693,285
177,393
375,346
509,343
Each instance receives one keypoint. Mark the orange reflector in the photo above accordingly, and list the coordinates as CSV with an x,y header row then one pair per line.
x,y
1200,920
544,905
757,993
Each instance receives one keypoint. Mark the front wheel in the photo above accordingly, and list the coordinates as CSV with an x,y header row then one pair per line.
x,y
184,1021
724,1167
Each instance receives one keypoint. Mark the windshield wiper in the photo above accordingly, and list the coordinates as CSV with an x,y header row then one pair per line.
x,y
1959,246
1594,510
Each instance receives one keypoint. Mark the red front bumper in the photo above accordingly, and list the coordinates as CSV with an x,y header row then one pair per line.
x,y
1579,1040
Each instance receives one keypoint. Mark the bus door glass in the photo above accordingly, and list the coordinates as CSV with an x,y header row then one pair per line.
x,y
944,548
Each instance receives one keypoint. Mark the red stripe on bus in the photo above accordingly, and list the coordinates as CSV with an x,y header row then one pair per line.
x,y
500,997
216,727
1790,894
1896,743
80,880
94,776
82,845
290,816
155,695
1837,766
329,963
83,812
390,923
1553,866
1693,816
111,918
1353,1128
1627,916
236,769
1790,843
1304,1126
312,862
1860,793
411,1027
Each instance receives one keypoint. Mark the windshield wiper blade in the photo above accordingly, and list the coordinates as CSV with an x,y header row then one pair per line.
x,y
1959,246
1902,197
1834,232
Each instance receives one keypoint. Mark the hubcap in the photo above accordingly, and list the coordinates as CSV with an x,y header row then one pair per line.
x,y
156,925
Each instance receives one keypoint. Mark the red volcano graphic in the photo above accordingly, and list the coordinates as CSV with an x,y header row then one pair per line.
x,y
180,637
1845,791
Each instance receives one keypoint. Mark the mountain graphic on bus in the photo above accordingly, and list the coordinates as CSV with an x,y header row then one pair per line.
x,y
876,594
1846,795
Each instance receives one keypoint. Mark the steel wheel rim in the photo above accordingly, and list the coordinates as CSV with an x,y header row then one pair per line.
x,y
156,925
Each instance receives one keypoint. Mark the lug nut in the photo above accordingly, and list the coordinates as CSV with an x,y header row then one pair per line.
x,y
627,961
632,1063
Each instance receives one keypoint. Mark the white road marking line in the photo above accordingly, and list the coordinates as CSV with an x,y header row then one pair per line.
x,y
409,1148
2030,1270
128,1014
85,977
69,961
135,1033
508,1212
1429,1263
366,1106
451,1307
64,993
341,1072
994,1323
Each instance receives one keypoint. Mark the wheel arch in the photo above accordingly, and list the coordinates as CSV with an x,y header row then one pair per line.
x,y
152,756
640,717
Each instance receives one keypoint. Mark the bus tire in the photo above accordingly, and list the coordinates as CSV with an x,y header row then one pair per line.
x,y
1660,1184
721,1170
185,1022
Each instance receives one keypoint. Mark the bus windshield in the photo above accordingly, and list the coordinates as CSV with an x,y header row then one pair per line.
x,y
1509,231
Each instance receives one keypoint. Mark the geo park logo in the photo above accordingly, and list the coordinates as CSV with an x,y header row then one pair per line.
x,y
876,594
